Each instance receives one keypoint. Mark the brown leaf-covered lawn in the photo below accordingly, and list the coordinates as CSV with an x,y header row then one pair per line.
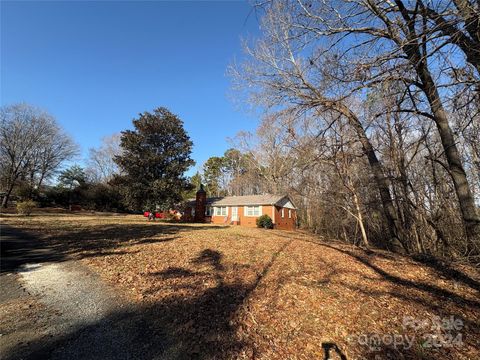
x,y
231,292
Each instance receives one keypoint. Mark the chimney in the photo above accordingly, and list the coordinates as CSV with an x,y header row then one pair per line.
x,y
200,204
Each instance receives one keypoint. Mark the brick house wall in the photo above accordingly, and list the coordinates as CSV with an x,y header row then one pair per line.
x,y
282,223
288,221
282,213
243,220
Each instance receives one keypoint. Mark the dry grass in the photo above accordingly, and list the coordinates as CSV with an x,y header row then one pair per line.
x,y
233,292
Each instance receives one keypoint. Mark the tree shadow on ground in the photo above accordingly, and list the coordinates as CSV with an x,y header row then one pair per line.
x,y
432,290
441,303
19,247
428,297
177,328
439,266
200,326
367,258
445,270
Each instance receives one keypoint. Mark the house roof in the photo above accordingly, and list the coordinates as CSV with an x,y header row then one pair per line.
x,y
249,200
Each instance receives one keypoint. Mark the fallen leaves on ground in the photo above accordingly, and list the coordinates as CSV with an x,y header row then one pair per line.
x,y
235,292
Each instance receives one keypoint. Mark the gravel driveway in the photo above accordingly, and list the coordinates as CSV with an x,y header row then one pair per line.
x,y
62,310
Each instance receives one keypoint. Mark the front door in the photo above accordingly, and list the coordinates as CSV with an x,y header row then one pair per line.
x,y
234,213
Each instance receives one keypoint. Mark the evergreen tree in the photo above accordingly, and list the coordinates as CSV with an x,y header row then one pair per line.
x,y
213,171
72,177
154,159
194,184
71,180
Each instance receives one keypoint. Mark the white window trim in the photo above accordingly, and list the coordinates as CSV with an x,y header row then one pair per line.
x,y
245,210
237,217
289,213
283,213
220,211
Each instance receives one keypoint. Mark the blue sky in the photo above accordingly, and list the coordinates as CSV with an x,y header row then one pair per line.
x,y
96,65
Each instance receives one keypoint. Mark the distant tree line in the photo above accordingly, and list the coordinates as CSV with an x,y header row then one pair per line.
x,y
230,174
136,170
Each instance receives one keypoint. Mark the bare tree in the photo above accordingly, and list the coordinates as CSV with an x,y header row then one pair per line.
x,y
101,166
54,148
327,55
31,145
280,76
458,21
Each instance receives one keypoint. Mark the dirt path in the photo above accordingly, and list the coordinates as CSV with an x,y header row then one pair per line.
x,y
55,309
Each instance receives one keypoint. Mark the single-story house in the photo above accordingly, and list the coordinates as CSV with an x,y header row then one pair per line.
x,y
241,210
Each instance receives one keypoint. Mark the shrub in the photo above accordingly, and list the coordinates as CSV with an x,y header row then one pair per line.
x,y
26,207
265,221
25,191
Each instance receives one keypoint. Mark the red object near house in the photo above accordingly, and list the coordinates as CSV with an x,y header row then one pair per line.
x,y
157,215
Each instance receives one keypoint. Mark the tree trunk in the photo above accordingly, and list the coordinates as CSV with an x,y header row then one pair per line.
x,y
40,181
32,185
396,232
395,228
413,49
470,217
394,224
360,220
7,196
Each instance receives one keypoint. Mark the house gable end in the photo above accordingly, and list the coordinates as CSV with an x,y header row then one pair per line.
x,y
285,202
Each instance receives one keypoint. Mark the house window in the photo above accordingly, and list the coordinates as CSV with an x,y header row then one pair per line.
x,y
289,213
221,211
283,213
193,212
208,211
253,210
